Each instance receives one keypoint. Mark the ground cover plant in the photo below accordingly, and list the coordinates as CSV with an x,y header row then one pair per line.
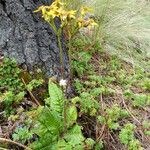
x,y
118,89
110,105
110,109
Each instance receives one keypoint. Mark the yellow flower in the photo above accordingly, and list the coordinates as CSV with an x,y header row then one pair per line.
x,y
52,14
81,22
39,9
85,10
71,14
91,23
66,15
57,9
86,23
62,13
54,7
44,11
58,3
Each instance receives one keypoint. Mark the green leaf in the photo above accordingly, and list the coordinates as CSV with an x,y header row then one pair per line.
x,y
90,143
34,83
71,115
74,136
127,133
99,145
56,101
49,122
140,100
135,145
20,96
22,134
147,132
63,145
44,143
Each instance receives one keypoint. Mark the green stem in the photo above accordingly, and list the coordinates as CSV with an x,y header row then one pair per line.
x,y
70,58
65,117
58,34
60,54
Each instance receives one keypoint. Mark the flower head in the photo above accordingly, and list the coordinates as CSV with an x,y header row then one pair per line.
x,y
63,83
71,14
56,9
81,23
57,3
91,23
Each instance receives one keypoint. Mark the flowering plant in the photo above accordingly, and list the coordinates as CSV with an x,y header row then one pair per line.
x,y
73,20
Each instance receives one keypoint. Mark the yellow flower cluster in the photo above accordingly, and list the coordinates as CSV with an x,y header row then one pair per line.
x,y
57,9
85,10
86,23
82,22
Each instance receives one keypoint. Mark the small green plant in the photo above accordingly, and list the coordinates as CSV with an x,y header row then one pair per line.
x,y
81,66
112,117
88,104
22,134
34,84
9,99
57,126
138,100
146,84
126,137
9,76
114,114
12,87
146,126
127,134
135,145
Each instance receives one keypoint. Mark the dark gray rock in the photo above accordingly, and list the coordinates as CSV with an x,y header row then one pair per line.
x,y
26,37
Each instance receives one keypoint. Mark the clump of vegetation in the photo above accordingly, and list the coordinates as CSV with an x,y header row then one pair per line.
x,y
117,88
126,137
11,87
9,76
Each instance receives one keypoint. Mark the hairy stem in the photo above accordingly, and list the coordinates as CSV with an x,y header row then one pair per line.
x,y
65,117
70,59
60,54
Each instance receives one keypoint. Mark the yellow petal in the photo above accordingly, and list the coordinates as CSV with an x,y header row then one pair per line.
x,y
85,10
39,9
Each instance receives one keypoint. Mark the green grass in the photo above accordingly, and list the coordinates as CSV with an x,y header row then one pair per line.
x,y
124,28
124,22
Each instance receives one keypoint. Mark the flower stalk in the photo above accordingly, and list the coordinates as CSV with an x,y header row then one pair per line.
x,y
61,56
